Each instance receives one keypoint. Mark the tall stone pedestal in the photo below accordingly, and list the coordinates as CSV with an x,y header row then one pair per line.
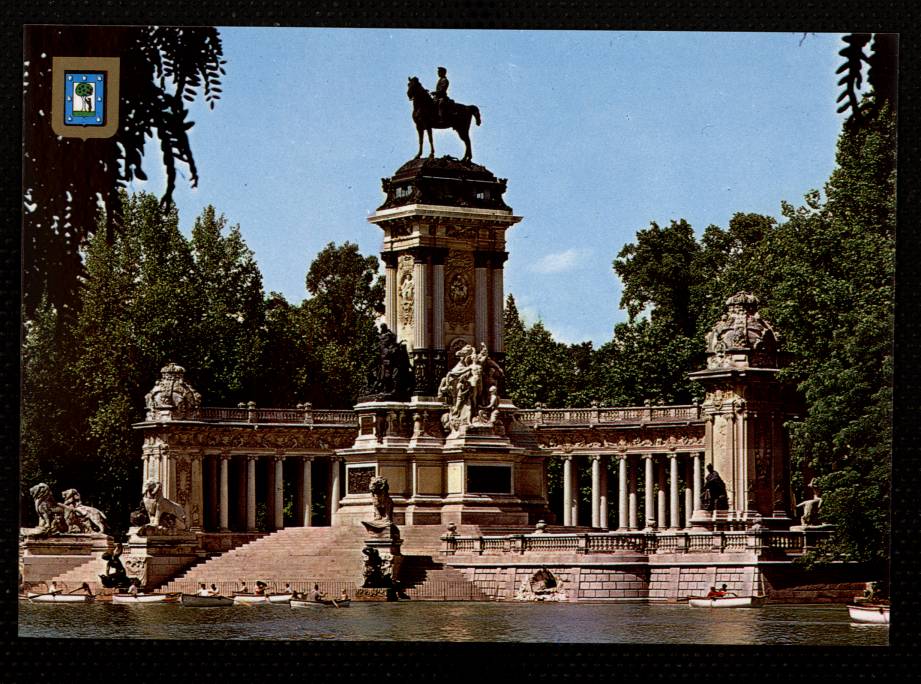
x,y
158,557
745,408
45,559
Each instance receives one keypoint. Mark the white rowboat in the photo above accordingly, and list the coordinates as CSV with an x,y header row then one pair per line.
x,y
872,614
726,602
195,601
60,598
325,603
253,599
128,599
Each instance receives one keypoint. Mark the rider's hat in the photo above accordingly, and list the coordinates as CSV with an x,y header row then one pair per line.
x,y
440,69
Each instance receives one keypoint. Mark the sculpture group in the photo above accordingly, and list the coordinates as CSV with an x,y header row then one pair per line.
x,y
471,390
70,517
429,113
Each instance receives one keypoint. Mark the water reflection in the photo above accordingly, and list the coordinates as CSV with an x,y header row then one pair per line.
x,y
424,621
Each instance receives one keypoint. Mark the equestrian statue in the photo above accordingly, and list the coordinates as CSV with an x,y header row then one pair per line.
x,y
437,110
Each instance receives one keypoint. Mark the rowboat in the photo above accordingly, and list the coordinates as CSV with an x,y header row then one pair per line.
x,y
869,613
195,601
323,603
255,599
128,599
726,602
60,598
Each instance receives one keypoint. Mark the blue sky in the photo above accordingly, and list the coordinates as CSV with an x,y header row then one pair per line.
x,y
598,133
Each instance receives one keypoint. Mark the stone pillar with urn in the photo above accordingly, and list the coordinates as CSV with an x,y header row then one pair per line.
x,y
745,408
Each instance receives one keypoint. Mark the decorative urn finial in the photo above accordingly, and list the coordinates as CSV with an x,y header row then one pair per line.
x,y
171,392
741,338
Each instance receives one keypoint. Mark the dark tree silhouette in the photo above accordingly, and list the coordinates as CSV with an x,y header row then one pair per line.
x,y
65,180
882,75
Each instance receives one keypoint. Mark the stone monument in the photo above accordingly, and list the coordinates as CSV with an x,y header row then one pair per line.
x,y
745,409
382,557
68,535
452,450
159,540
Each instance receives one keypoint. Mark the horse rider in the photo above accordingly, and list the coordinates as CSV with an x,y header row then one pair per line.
x,y
440,94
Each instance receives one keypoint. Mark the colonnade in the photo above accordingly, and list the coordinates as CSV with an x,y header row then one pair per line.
x,y
222,493
671,484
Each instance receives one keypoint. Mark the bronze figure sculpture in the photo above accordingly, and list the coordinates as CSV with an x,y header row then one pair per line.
x,y
445,113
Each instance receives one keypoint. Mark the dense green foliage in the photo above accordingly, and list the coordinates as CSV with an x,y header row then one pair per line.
x,y
162,70
153,296
824,276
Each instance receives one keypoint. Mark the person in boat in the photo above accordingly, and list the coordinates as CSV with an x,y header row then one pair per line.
x,y
316,594
213,590
86,589
288,590
203,590
243,588
133,589
260,588
344,596
715,593
53,588
725,591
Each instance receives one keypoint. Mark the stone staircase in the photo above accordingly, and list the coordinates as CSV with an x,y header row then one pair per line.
x,y
332,558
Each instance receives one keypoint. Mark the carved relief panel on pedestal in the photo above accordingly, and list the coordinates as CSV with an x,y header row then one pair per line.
x,y
405,293
459,295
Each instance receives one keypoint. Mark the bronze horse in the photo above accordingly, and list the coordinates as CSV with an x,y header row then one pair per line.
x,y
425,115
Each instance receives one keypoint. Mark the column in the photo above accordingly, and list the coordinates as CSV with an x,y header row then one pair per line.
x,y
673,521
481,298
269,493
649,506
279,492
698,482
390,296
632,494
660,496
567,490
421,336
438,300
688,492
306,497
250,493
622,519
575,492
197,495
213,489
596,490
603,506
224,506
497,344
334,489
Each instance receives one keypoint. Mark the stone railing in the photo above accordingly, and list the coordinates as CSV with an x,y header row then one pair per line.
x,y
630,415
627,542
252,414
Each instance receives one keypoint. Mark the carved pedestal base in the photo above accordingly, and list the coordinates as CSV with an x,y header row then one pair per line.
x,y
45,559
159,556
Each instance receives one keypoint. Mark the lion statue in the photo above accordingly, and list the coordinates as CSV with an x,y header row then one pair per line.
x,y
163,513
51,515
80,517
381,502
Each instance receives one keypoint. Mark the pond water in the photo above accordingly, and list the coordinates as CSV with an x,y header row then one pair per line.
x,y
459,622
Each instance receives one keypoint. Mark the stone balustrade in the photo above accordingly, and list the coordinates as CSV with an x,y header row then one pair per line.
x,y
788,542
251,414
628,415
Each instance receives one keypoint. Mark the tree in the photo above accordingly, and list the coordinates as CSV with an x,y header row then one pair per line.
x,y
162,69
85,91
657,273
135,314
230,334
347,296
